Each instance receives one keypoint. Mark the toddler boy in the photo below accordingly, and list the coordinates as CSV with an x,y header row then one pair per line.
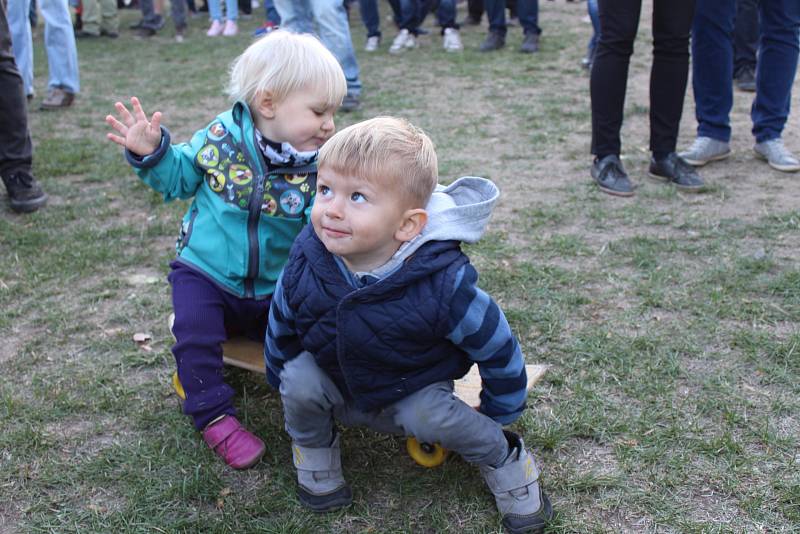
x,y
377,313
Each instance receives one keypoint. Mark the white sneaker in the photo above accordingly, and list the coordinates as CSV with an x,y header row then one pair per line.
x,y
230,28
372,43
403,40
452,41
777,155
215,29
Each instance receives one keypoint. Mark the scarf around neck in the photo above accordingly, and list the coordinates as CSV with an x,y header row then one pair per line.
x,y
284,154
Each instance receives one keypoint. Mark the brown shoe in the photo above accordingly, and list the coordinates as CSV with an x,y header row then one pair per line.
x,y
57,98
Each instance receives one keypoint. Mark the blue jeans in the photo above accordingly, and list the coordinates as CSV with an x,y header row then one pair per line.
x,y
330,17
594,15
413,13
59,42
271,12
712,67
527,11
370,17
215,9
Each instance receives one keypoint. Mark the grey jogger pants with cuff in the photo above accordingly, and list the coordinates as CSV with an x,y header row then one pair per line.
x,y
311,403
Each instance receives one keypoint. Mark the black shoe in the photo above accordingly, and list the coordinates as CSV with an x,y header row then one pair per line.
x,y
86,35
494,41
530,44
24,192
746,79
676,170
611,177
109,34
325,503
350,103
145,32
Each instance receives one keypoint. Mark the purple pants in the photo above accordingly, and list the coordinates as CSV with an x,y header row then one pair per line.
x,y
206,316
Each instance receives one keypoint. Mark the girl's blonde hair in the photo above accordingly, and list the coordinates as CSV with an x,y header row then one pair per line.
x,y
389,151
282,63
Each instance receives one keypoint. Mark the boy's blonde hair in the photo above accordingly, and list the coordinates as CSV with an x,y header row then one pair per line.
x,y
282,63
387,150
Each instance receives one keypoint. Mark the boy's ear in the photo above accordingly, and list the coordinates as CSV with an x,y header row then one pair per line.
x,y
265,105
413,223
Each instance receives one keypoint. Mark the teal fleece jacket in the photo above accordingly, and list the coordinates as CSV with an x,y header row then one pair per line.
x,y
244,215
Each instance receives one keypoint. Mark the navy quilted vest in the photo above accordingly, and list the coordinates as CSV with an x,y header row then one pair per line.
x,y
384,341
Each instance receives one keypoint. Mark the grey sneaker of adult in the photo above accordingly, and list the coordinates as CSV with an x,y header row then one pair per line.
x,y
777,155
494,41
530,44
403,40
515,486
611,177
350,102
372,43
321,484
704,150
451,40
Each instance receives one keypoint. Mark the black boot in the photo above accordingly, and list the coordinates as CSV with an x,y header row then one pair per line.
x,y
494,41
24,192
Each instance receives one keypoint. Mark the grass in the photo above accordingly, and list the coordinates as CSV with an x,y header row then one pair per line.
x,y
669,322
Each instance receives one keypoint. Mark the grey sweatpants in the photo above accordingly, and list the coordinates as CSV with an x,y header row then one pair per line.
x,y
311,403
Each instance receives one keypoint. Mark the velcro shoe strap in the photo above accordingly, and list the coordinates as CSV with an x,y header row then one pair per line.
x,y
311,459
219,431
513,475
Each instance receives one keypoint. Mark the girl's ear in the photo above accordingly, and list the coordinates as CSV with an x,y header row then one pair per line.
x,y
265,105
412,224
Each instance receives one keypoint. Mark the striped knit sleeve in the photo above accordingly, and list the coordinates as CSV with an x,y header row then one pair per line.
x,y
281,343
480,329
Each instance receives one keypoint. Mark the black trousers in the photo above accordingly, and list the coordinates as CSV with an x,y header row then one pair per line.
x,y
619,21
745,35
16,149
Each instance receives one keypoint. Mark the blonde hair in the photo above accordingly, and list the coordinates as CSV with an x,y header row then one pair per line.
x,y
282,63
388,150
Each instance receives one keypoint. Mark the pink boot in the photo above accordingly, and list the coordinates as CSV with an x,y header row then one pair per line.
x,y
239,448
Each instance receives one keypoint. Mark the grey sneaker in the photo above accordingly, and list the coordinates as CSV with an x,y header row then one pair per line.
x,y
704,150
451,41
777,155
372,44
321,484
515,485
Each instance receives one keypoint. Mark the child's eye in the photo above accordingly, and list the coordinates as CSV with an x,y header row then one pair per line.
x,y
358,197
323,190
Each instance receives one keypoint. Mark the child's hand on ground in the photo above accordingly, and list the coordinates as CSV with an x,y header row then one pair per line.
x,y
140,136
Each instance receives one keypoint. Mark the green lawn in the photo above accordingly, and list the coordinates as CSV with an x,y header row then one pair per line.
x,y
670,322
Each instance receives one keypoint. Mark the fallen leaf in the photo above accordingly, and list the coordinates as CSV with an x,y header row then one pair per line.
x,y
141,337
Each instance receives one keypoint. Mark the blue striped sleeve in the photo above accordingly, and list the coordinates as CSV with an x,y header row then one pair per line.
x,y
480,329
281,343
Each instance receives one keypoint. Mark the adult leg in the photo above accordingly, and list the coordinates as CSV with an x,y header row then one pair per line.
x,y
370,17
295,15
59,42
151,21
199,331
496,13
745,35
446,14
712,67
619,20
109,24
179,8
528,13
232,10
16,149
672,24
334,32
777,66
20,25
91,17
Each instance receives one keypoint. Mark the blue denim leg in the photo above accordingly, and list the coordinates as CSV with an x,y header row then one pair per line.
x,y
215,10
446,14
232,10
712,67
271,12
408,15
777,65
594,15
59,41
528,14
334,32
295,16
370,17
21,40
496,13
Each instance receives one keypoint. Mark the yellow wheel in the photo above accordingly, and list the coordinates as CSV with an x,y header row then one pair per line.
x,y
426,454
176,384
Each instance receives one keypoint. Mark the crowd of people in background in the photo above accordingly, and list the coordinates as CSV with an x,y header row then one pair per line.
x,y
749,44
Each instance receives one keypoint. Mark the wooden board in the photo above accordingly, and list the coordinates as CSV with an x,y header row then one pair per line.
x,y
248,354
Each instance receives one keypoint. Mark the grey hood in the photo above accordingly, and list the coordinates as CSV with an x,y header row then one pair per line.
x,y
459,211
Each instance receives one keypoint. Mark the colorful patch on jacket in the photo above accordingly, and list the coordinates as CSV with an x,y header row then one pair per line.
x,y
229,175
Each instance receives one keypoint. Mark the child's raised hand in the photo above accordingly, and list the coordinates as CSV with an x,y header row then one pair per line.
x,y
140,136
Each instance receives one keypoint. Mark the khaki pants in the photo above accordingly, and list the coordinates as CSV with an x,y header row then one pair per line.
x,y
100,15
